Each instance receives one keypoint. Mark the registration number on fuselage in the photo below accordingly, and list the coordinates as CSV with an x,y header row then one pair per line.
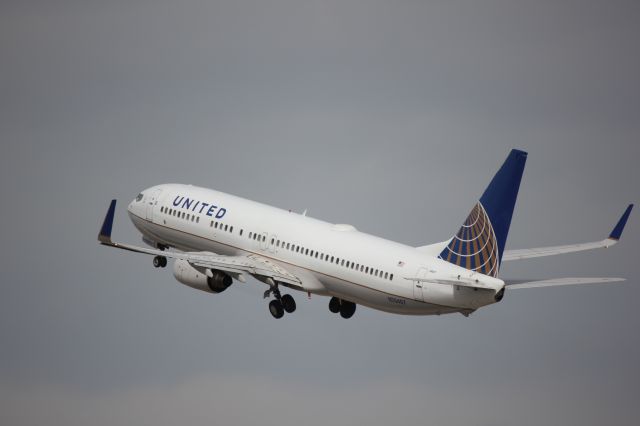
x,y
396,300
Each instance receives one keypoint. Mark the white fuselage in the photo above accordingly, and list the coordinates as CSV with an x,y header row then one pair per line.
x,y
335,260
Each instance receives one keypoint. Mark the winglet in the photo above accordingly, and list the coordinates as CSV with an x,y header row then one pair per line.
x,y
105,232
617,231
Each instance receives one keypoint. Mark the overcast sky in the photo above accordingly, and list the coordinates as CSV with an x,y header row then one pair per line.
x,y
389,115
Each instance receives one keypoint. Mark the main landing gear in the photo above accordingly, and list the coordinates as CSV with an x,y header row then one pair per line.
x,y
281,304
159,261
346,308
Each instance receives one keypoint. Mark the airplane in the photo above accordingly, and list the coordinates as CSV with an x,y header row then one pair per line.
x,y
217,239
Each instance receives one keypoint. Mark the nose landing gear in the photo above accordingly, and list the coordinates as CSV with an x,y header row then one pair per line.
x,y
159,261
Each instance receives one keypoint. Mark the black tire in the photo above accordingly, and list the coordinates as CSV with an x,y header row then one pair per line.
x,y
157,262
276,309
334,305
288,303
163,261
347,309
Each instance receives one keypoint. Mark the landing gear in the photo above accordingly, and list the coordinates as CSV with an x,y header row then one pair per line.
x,y
159,261
334,305
281,304
288,303
346,308
276,309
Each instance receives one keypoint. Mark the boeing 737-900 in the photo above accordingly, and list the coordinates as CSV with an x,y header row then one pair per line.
x,y
217,238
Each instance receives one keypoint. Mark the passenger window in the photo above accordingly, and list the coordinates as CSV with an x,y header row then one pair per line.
x,y
226,227
316,255
250,234
241,232
231,229
198,219
342,262
391,278
306,252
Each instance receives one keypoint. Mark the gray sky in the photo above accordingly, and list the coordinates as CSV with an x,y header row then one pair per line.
x,y
392,116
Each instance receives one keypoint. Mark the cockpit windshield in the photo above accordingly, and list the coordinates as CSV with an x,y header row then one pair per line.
x,y
139,197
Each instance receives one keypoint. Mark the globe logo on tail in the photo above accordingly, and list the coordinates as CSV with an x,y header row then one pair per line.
x,y
474,247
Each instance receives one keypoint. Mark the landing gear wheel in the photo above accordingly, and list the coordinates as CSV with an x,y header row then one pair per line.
x,y
334,305
288,303
347,309
276,309
159,261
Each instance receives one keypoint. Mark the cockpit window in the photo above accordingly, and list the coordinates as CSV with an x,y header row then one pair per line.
x,y
139,197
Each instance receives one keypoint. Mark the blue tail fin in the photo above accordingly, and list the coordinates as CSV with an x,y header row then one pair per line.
x,y
479,244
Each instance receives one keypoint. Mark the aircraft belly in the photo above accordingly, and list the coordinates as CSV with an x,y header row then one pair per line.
x,y
381,300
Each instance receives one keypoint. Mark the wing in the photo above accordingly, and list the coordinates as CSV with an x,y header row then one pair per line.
x,y
559,282
613,238
254,265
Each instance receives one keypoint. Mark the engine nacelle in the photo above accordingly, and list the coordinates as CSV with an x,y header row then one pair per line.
x,y
197,278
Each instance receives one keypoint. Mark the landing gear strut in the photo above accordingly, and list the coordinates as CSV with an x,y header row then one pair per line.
x,y
159,261
281,304
346,308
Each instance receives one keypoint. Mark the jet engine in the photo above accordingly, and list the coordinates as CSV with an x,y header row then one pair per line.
x,y
197,278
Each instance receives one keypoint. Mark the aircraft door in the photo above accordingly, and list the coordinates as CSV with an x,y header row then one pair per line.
x,y
152,201
419,286
264,241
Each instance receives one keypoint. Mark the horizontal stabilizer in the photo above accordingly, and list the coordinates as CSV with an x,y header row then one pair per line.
x,y
516,284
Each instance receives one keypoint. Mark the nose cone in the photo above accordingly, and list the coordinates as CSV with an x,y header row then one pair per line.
x,y
136,206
